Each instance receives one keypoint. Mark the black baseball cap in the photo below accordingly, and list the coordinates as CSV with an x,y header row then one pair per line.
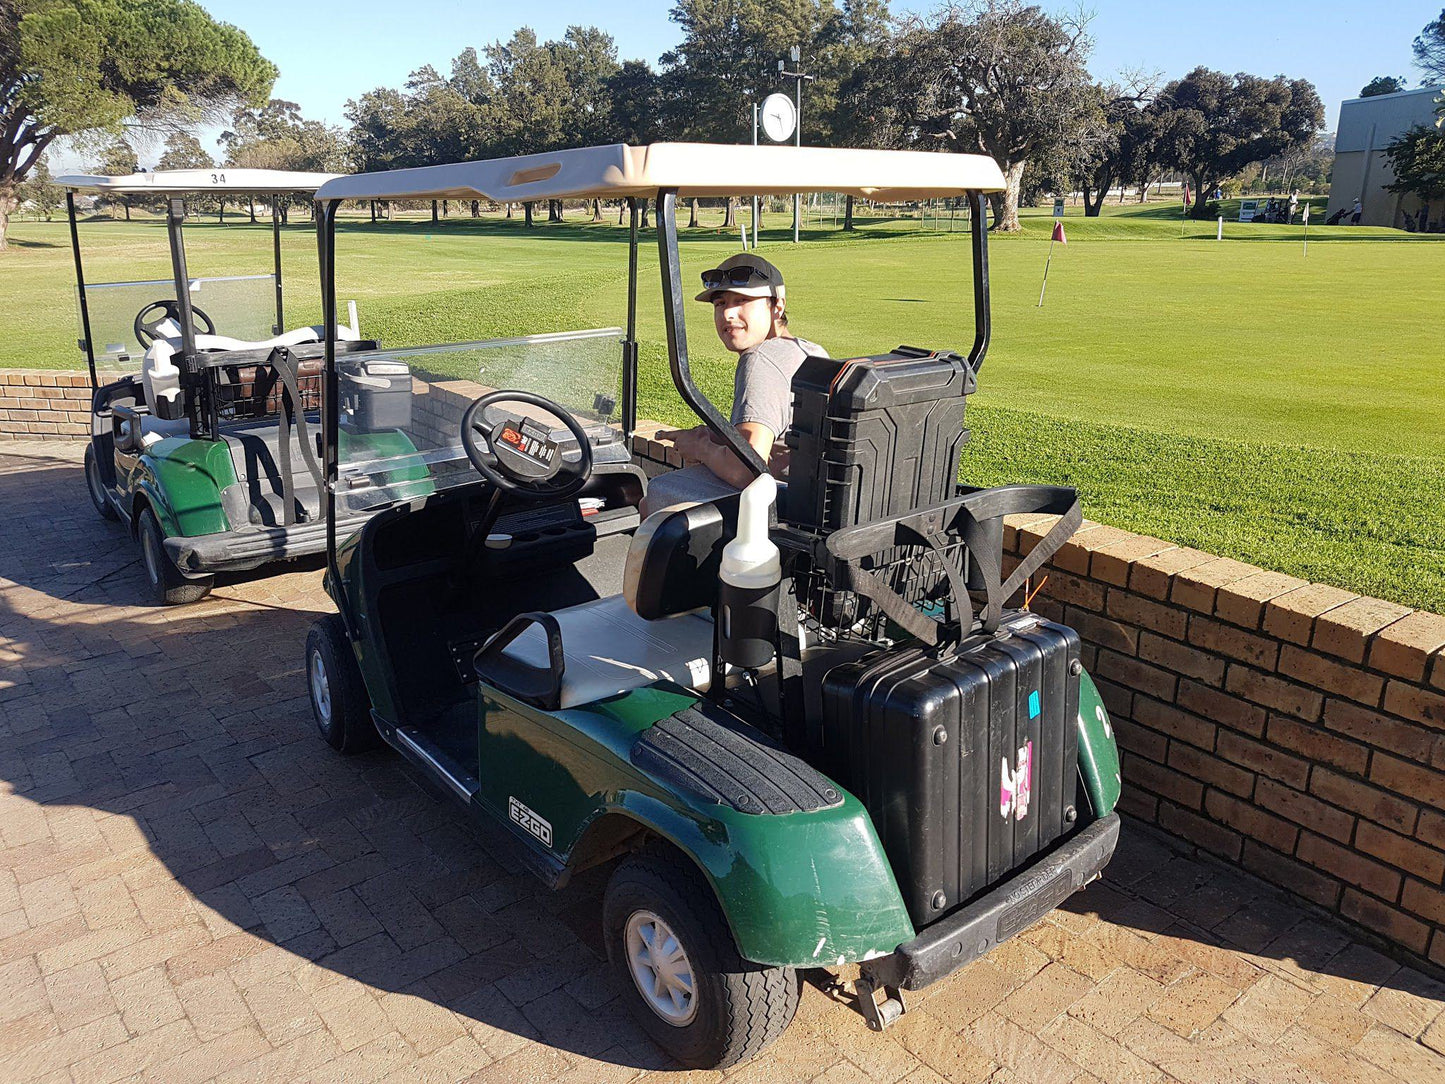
x,y
746,273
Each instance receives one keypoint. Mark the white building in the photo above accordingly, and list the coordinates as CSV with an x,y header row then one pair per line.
x,y
1367,127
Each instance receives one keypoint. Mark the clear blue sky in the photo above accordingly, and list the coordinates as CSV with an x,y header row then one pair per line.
x,y
330,52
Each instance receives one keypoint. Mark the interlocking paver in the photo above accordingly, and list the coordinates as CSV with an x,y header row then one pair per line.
x,y
193,887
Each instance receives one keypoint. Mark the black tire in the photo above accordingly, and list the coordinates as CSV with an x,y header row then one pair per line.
x,y
95,487
338,695
737,1008
168,585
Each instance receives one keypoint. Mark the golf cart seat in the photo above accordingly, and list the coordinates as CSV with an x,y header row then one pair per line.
x,y
659,628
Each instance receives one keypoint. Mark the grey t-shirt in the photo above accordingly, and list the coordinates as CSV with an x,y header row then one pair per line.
x,y
762,386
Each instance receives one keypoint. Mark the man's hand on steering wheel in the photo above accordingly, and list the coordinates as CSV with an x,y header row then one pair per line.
x,y
146,331
518,456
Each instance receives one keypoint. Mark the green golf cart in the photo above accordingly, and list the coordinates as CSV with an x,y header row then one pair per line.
x,y
801,722
210,454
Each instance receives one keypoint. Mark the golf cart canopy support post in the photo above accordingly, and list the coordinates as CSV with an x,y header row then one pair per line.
x,y
331,398
180,183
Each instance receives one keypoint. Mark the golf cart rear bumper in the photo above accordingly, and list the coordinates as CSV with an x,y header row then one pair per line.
x,y
1013,906
251,547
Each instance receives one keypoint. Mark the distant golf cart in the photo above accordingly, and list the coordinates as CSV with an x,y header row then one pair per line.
x,y
801,719
210,453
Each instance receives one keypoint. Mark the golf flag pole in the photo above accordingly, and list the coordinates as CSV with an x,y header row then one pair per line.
x,y
1184,214
1307,227
1057,235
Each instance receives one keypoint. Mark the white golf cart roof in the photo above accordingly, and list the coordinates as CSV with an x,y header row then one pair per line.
x,y
235,182
693,169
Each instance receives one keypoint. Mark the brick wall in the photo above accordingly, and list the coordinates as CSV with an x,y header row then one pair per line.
x,y
39,404
1293,728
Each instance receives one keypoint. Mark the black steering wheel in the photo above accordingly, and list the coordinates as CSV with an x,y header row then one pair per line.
x,y
145,330
519,456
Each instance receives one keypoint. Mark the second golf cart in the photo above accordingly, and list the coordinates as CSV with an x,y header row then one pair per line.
x,y
802,722
209,454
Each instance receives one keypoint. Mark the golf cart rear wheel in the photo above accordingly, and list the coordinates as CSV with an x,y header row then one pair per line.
x,y
338,695
680,971
95,486
168,586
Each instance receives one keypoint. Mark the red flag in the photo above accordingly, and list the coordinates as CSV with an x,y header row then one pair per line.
x,y
1186,194
1059,233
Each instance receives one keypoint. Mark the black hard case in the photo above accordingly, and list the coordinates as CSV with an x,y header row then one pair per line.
x,y
375,394
921,742
874,436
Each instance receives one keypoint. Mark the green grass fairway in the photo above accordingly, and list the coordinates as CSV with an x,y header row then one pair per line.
x,y
1238,396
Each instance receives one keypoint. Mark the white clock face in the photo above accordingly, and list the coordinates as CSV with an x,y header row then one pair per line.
x,y
779,117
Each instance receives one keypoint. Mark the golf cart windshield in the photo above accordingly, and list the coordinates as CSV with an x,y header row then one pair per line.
x,y
238,306
422,392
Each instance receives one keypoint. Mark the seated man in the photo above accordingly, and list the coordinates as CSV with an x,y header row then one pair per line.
x,y
749,311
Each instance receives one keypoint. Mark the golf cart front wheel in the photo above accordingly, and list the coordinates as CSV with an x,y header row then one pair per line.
x,y
679,970
95,486
338,694
168,585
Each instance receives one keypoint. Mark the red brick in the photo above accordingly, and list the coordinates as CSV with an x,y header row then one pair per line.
x,y
1074,590
1424,862
1413,781
1137,675
1196,587
1258,757
1165,620
1117,699
1350,866
1242,602
1319,672
1288,873
1385,920
1139,803
1112,563
1181,659
1404,648
1102,631
1272,692
1258,651
1303,810
1310,741
1011,524
1076,553
1162,781
1221,708
1251,821
1153,576
1032,533
1346,630
1291,616
1416,704
1209,834
1378,805
1138,739
1173,722
1378,730
1211,769
1424,900
1431,828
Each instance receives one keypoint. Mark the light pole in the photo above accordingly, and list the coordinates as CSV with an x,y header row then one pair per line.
x,y
796,53
755,198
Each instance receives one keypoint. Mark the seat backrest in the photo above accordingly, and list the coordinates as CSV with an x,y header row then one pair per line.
x,y
672,565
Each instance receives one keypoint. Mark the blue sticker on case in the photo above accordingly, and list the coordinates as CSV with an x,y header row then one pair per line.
x,y
1034,704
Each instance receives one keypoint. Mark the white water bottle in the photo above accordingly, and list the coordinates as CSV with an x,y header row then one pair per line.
x,y
750,575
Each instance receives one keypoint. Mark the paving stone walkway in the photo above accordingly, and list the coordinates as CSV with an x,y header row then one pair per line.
x,y
193,887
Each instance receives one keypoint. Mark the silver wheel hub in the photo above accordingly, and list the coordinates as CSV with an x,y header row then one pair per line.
x,y
660,968
148,550
320,688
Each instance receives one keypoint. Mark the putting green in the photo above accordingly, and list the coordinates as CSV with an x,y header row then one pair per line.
x,y
1239,396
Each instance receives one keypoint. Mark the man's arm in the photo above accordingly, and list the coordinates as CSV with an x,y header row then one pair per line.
x,y
701,445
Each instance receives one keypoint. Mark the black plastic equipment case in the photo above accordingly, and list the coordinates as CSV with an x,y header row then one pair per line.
x,y
874,436
967,764
375,393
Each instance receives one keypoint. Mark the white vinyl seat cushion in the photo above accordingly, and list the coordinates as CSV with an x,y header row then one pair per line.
x,y
608,650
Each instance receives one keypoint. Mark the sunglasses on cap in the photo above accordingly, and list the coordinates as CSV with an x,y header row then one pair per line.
x,y
720,278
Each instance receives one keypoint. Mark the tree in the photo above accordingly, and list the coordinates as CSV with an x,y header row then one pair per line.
x,y
1116,143
1429,50
998,77
70,66
118,159
184,151
277,136
1383,84
1418,159
1216,124
39,192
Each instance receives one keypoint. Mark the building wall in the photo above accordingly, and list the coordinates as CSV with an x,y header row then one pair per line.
x,y
1367,125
